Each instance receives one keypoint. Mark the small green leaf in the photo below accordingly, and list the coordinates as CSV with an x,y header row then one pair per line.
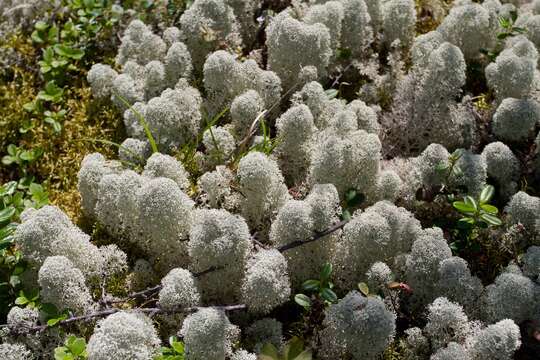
x,y
454,246
270,351
311,285
469,200
41,25
56,320
57,127
10,188
305,355
178,346
441,167
53,322
350,195
513,15
364,288
504,22
76,345
68,52
302,300
293,348
456,171
27,155
463,207
346,215
29,106
490,209
491,219
353,198
37,38
486,194
8,160
61,353
326,272
328,295
21,300
331,93
6,214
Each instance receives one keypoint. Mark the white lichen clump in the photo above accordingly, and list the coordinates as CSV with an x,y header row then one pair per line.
x,y
15,352
424,102
380,233
497,341
123,335
293,44
339,158
204,25
179,290
49,232
512,75
263,187
226,78
219,239
63,285
208,335
358,327
446,323
20,320
515,119
266,284
428,250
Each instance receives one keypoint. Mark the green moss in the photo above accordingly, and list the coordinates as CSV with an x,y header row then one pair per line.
x,y
64,152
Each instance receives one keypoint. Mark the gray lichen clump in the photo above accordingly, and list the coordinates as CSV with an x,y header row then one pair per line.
x,y
266,142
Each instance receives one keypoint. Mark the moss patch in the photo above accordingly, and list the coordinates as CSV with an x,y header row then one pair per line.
x,y
63,153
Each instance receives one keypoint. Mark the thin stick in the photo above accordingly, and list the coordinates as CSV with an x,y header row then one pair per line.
x,y
319,235
107,312
146,293
315,237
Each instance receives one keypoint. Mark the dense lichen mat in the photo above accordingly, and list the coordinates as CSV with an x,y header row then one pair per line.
x,y
274,179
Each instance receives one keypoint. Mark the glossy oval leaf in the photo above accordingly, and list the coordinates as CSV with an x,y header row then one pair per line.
x,y
305,355
311,285
469,200
490,209
491,219
302,300
462,207
293,348
326,271
364,289
76,345
328,295
269,351
487,193
6,214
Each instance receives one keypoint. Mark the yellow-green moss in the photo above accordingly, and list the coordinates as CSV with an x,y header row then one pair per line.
x,y
13,95
430,14
64,152
394,351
